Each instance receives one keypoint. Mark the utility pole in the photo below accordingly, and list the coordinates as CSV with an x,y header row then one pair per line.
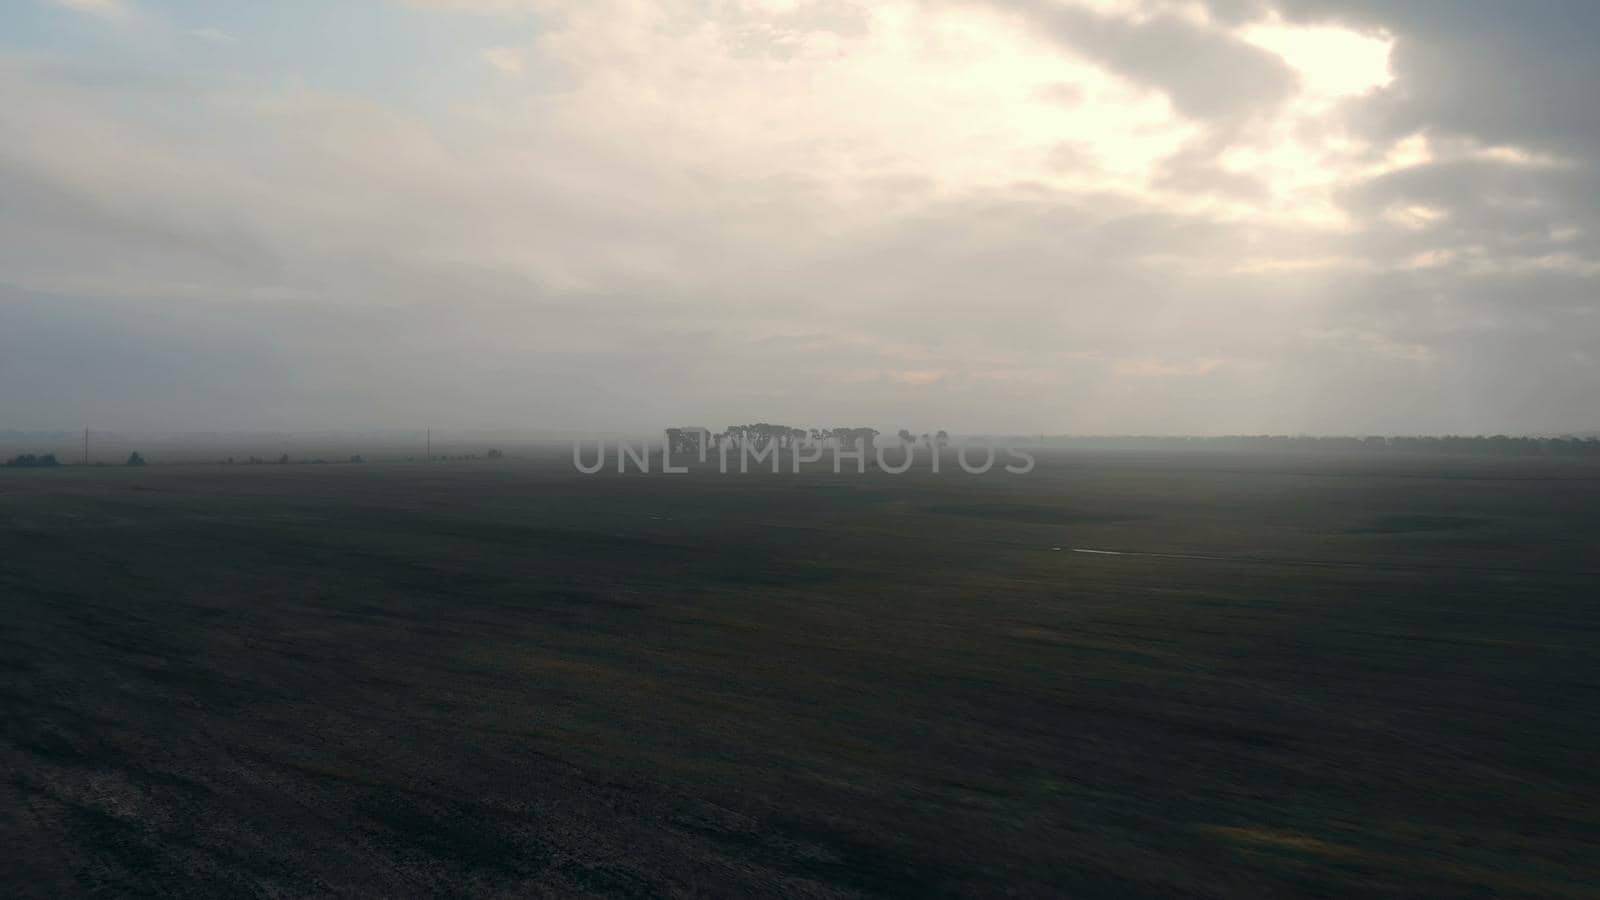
x,y
429,454
86,446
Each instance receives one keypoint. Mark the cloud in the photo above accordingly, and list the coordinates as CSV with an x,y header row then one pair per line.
x,y
480,7
1207,72
506,60
1498,72
1156,368
212,35
1117,216
108,10
917,377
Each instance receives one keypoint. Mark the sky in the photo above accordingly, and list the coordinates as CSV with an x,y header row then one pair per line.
x,y
1004,216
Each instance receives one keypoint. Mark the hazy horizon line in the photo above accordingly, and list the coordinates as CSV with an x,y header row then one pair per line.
x,y
568,434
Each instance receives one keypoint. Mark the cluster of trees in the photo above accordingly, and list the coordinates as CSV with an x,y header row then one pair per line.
x,y
284,460
1498,445
30,460
458,457
47,460
761,435
690,441
940,438
1495,445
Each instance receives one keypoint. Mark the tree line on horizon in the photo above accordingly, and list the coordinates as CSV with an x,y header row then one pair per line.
x,y
761,435
1491,445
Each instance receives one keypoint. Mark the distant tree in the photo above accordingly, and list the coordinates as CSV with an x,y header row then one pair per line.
x,y
135,459
906,437
30,461
494,454
357,458
283,460
943,437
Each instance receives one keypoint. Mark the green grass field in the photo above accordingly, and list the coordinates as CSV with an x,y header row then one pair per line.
x,y
1306,676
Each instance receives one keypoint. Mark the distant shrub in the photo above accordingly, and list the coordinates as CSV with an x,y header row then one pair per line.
x,y
135,459
494,454
30,461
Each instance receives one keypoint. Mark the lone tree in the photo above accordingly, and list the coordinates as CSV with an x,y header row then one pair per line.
x,y
135,459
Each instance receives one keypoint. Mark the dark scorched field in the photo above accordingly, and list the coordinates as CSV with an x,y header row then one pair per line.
x,y
1305,676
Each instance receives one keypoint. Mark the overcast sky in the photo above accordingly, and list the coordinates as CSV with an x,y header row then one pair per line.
x,y
1101,216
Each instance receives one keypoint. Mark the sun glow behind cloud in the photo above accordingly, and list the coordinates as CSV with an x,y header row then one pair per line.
x,y
1332,62
1302,153
960,96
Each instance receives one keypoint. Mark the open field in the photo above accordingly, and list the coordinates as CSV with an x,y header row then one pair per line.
x,y
1328,676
